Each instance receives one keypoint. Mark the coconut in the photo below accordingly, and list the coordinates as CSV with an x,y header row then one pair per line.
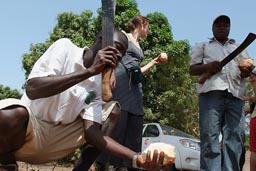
x,y
163,58
245,64
168,150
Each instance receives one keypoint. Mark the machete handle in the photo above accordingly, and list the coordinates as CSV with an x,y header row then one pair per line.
x,y
106,89
204,77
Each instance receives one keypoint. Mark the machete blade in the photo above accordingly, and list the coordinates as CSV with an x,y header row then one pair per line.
x,y
247,41
108,15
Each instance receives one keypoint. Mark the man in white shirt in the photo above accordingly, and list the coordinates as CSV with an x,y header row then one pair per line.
x,y
220,99
54,117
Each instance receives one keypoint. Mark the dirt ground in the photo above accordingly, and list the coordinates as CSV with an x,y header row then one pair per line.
x,y
46,167
51,167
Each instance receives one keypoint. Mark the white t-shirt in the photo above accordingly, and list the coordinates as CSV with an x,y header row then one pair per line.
x,y
229,77
63,57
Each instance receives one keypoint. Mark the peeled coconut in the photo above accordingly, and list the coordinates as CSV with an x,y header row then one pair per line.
x,y
245,64
168,150
163,57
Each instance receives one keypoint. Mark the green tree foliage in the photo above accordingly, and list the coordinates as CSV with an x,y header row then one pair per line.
x,y
169,92
7,92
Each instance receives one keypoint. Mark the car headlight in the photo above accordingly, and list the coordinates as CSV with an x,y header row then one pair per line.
x,y
190,144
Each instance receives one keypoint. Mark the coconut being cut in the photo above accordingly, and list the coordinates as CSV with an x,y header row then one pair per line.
x,y
168,150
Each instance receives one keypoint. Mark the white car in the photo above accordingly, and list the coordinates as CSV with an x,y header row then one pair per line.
x,y
187,148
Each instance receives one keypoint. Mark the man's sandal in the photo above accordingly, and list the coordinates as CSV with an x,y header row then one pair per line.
x,y
8,167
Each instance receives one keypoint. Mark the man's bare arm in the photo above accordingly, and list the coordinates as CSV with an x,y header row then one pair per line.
x,y
199,69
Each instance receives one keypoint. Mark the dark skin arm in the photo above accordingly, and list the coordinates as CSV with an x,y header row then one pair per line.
x,y
41,87
199,69
214,67
90,154
96,137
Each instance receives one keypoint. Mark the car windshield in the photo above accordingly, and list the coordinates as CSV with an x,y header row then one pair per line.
x,y
167,130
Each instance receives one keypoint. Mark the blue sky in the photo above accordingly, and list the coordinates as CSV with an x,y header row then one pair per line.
x,y
31,21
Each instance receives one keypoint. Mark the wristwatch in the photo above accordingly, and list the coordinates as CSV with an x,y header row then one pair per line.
x,y
134,160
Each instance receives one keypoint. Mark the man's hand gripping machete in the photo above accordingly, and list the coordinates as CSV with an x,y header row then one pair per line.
x,y
248,40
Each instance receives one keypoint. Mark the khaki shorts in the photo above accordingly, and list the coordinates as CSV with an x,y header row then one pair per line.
x,y
46,142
